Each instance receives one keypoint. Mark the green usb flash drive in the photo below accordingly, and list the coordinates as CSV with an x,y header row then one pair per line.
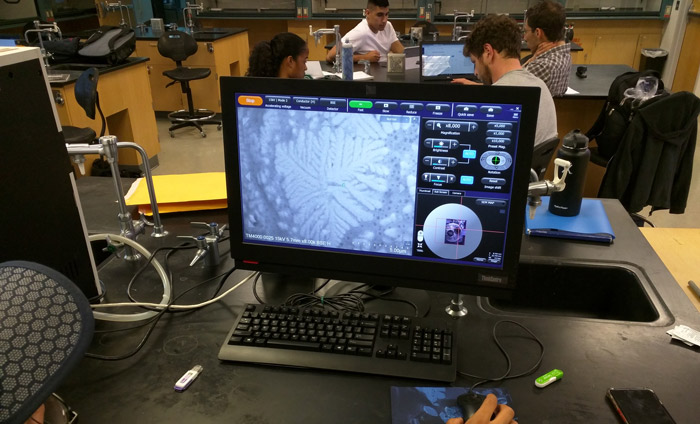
x,y
549,378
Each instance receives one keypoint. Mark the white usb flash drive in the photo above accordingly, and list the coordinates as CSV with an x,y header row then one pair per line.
x,y
187,379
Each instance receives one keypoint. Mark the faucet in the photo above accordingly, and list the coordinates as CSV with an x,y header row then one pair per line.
x,y
544,187
41,29
207,246
337,66
107,147
456,29
109,7
187,12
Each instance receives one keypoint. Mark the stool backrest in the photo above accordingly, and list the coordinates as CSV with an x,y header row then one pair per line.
x,y
542,155
177,45
46,325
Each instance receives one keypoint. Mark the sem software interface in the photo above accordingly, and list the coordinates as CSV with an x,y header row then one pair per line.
x,y
431,180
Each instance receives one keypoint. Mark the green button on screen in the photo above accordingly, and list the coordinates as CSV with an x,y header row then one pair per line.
x,y
359,104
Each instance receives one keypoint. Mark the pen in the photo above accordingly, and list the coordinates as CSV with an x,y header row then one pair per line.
x,y
694,287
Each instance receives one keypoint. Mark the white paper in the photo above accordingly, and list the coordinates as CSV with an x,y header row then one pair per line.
x,y
313,68
685,334
570,90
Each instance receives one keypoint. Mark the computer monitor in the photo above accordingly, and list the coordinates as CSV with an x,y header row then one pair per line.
x,y
444,61
412,185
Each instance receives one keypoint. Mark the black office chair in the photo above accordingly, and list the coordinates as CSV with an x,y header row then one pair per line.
x,y
178,46
46,325
88,98
542,155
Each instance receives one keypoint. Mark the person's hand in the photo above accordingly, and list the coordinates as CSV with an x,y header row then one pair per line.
x,y
372,56
465,81
503,414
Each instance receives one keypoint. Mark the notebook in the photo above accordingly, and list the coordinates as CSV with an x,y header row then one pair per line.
x,y
444,61
591,224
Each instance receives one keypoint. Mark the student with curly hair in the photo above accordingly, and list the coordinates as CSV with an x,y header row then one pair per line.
x,y
284,56
494,48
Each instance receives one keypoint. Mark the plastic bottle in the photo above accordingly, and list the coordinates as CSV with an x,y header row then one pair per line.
x,y
347,60
574,149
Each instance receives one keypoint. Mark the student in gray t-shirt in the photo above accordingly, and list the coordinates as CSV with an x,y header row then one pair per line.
x,y
494,48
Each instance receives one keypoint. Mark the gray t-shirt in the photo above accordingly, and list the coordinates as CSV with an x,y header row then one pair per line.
x,y
547,115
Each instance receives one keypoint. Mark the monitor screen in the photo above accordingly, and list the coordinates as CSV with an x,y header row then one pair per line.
x,y
444,60
389,183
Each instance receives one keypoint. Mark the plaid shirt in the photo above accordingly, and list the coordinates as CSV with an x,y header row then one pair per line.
x,y
553,68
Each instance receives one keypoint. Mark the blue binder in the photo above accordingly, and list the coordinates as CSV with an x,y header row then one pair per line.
x,y
591,224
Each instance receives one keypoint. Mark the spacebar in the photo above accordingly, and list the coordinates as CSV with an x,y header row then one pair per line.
x,y
293,344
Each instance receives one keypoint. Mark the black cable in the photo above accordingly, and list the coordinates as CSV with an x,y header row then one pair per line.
x,y
507,375
380,296
255,289
317,289
183,246
153,326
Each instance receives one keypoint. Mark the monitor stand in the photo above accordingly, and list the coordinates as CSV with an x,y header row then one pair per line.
x,y
456,308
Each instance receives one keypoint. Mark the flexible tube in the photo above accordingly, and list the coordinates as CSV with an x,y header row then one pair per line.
x,y
159,269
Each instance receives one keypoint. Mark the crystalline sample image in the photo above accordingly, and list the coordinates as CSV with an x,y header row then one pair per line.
x,y
337,180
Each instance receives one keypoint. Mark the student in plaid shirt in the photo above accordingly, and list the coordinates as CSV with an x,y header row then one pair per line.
x,y
543,31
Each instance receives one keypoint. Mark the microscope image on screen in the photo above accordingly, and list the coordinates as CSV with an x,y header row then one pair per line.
x,y
323,179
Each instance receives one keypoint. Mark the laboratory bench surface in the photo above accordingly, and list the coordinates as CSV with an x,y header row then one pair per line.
x,y
594,354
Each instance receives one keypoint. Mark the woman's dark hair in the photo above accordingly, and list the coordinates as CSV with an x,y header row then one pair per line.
x,y
550,17
267,56
500,31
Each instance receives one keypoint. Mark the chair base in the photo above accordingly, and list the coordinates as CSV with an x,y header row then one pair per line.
x,y
184,118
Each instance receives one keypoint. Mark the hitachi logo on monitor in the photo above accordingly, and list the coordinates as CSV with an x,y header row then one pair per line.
x,y
492,279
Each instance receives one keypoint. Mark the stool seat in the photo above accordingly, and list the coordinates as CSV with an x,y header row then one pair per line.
x,y
75,135
187,74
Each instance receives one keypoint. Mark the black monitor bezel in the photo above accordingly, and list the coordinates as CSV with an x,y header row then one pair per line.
x,y
410,273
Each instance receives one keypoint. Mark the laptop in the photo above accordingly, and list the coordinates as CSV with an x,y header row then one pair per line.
x,y
443,61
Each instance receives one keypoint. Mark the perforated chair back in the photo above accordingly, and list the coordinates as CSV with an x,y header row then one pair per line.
x,y
46,325
542,155
177,45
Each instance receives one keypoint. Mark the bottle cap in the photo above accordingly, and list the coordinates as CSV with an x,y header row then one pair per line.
x,y
575,140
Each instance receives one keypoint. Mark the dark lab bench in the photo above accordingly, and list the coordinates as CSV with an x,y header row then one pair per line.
x,y
594,353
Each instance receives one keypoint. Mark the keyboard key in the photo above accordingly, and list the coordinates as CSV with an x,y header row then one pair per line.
x,y
291,344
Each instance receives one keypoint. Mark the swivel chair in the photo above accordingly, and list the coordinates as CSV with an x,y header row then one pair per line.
x,y
542,155
46,325
178,46
88,98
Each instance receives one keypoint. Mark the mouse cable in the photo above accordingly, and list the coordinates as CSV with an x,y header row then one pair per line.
x,y
507,375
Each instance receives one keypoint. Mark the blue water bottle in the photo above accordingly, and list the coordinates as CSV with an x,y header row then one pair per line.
x,y
347,61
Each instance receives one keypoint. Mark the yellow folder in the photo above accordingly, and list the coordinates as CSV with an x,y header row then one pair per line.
x,y
180,192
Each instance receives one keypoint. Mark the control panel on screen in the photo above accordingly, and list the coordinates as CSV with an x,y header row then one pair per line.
x,y
427,180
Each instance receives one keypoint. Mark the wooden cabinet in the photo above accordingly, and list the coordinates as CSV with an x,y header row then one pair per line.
x,y
125,98
224,57
615,41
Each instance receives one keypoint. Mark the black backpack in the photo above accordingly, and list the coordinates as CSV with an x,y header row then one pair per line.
x,y
109,44
617,113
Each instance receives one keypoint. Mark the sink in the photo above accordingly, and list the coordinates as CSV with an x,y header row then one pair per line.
x,y
600,291
75,66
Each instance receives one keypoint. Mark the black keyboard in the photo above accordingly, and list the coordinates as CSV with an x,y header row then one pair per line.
x,y
363,342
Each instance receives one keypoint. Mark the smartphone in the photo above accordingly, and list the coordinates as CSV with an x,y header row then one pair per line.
x,y
639,406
